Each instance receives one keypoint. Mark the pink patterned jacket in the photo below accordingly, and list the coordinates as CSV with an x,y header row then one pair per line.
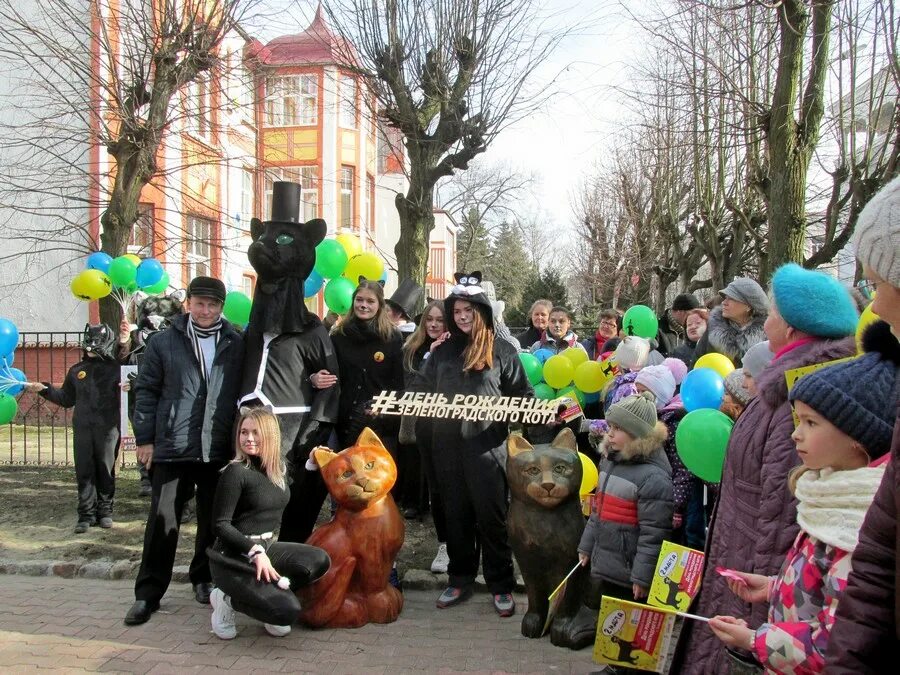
x,y
803,600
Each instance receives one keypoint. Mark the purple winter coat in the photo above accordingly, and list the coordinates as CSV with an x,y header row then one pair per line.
x,y
866,635
754,523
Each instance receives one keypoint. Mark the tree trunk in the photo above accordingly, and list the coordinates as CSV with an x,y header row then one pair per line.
x,y
416,223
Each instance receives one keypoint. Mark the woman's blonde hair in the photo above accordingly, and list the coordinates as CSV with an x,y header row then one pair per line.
x,y
479,354
269,444
382,323
417,339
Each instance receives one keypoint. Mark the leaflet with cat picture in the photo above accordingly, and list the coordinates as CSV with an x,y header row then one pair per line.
x,y
633,635
676,581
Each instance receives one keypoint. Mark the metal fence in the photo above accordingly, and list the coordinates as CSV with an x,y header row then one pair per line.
x,y
41,432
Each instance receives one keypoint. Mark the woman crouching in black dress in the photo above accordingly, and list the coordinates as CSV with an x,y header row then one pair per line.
x,y
254,574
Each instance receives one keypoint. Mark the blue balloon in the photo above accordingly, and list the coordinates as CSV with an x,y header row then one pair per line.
x,y
702,388
7,361
543,354
99,261
383,278
14,389
592,398
149,273
9,336
313,284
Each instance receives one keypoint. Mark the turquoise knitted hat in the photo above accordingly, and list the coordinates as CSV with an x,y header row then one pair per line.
x,y
814,302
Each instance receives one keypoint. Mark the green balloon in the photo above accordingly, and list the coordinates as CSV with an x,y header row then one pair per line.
x,y
8,408
339,294
160,286
122,272
544,392
534,370
237,308
331,259
640,320
573,393
701,439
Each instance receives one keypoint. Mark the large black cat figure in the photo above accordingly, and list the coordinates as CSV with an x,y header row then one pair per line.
x,y
285,345
545,524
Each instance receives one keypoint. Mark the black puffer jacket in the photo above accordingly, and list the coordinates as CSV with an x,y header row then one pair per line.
x,y
175,409
92,386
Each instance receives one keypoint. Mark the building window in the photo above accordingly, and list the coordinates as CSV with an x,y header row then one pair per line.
x,y
292,101
347,180
197,107
369,200
239,85
348,102
390,150
247,285
197,246
248,204
141,242
307,177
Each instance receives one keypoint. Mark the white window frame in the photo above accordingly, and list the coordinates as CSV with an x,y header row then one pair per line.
x,y
143,225
198,246
307,177
292,101
248,203
348,107
347,187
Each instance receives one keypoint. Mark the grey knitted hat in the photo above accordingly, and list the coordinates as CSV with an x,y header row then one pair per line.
x,y
877,234
757,358
734,386
744,289
635,414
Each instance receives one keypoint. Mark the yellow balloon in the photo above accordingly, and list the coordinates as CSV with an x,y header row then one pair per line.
x,y
91,285
133,258
589,474
717,362
366,265
558,371
866,319
590,377
575,355
351,244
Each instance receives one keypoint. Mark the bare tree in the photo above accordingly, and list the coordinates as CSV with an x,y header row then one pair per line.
x,y
99,74
449,75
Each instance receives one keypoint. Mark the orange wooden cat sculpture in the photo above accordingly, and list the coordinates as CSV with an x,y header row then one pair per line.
x,y
363,539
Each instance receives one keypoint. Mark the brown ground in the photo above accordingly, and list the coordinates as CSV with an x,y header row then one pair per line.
x,y
37,516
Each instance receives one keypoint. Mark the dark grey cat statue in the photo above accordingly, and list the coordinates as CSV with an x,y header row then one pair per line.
x,y
545,524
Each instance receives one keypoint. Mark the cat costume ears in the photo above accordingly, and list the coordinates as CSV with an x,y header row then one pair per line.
x,y
565,440
467,283
368,437
362,279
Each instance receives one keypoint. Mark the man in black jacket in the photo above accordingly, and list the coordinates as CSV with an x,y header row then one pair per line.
x,y
185,401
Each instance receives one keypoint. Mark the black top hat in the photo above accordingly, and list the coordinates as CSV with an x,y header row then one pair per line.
x,y
286,198
406,296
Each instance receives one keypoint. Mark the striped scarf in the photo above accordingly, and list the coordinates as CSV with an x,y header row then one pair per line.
x,y
196,333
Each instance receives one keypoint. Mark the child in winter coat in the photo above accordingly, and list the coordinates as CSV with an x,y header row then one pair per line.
x,y
559,335
846,414
632,510
92,386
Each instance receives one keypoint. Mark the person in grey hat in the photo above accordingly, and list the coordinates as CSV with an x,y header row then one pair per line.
x,y
736,324
756,359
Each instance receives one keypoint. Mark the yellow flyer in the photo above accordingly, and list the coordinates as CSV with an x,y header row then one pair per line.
x,y
676,581
633,635
796,373
556,598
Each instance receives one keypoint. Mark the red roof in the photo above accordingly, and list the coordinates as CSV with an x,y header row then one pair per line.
x,y
318,44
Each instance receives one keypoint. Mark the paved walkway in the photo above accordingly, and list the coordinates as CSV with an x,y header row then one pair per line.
x,y
76,625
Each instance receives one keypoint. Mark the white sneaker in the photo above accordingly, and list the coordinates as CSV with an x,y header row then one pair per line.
x,y
276,631
441,560
222,615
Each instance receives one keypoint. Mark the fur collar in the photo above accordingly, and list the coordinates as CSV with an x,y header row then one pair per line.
x,y
832,504
772,387
726,337
640,449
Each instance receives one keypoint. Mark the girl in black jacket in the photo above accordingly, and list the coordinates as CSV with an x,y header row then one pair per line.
x,y
370,359
468,454
254,574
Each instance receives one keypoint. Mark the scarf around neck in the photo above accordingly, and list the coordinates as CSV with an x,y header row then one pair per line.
x,y
196,333
832,504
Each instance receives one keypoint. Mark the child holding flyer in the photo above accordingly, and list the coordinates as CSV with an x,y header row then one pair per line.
x,y
632,510
846,417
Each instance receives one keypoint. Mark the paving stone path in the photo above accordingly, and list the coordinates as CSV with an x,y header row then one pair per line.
x,y
76,625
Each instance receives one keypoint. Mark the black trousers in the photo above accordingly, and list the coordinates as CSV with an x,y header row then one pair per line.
x,y
307,488
473,487
96,448
173,484
423,441
262,600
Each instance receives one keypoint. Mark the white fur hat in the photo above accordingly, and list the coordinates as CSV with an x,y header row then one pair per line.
x,y
632,352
